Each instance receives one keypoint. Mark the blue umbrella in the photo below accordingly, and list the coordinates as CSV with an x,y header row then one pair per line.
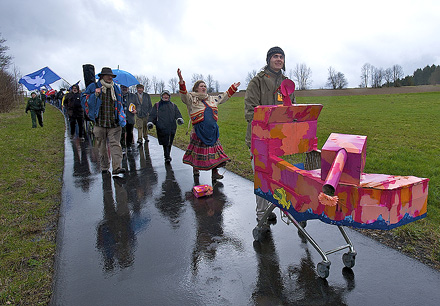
x,y
123,78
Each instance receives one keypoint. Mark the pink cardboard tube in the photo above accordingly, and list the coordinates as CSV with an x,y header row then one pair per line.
x,y
334,174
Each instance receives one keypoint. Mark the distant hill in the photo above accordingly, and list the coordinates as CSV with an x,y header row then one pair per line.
x,y
359,91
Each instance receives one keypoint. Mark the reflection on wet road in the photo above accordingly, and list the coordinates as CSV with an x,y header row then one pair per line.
x,y
142,238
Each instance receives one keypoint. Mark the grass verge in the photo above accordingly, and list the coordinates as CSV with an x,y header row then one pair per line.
x,y
30,194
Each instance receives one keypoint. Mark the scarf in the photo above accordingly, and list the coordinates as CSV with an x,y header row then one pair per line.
x,y
106,86
198,96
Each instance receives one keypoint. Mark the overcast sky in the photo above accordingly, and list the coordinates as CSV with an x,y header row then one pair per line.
x,y
226,39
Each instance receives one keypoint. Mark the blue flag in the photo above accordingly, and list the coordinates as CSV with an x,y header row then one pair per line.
x,y
40,78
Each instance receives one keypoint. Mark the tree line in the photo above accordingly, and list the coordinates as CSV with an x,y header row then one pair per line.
x,y
371,76
156,86
8,80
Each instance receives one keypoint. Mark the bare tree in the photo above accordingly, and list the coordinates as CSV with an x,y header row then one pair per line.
x,y
377,75
331,80
397,74
388,76
155,84
217,86
302,75
196,77
160,86
336,80
365,74
341,81
5,60
250,76
144,80
210,83
65,85
173,84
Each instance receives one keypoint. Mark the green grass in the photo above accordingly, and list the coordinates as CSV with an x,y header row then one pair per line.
x,y
30,191
403,139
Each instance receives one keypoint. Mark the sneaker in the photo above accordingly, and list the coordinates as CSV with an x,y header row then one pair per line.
x,y
118,170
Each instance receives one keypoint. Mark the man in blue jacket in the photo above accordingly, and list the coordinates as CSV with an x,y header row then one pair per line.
x,y
102,103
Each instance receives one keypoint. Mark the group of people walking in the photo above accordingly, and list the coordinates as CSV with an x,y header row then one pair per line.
x,y
115,112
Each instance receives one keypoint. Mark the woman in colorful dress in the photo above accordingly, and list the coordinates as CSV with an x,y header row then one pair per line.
x,y
204,151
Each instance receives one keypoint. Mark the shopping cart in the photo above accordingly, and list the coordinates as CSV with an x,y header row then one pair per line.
x,y
328,185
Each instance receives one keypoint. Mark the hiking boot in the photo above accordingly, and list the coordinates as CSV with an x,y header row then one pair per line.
x,y
216,175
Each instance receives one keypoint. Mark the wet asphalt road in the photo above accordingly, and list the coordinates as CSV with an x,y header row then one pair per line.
x,y
144,239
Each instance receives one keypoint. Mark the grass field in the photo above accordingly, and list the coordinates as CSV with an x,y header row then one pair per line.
x,y
30,191
403,139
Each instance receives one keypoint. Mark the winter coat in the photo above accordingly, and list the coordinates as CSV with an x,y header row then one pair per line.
x,y
35,104
128,99
74,108
164,115
145,105
91,103
262,90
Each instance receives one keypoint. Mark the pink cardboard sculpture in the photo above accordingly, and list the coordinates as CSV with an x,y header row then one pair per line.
x,y
354,198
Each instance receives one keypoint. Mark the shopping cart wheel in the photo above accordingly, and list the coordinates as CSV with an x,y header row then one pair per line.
x,y
349,259
303,223
323,269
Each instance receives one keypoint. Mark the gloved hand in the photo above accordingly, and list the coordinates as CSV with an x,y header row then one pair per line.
x,y
150,125
180,121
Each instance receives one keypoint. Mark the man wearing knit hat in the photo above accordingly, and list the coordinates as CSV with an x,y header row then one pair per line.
x,y
262,90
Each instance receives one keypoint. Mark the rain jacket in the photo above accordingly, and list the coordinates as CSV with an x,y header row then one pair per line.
x,y
128,99
91,103
35,104
262,90
74,108
164,115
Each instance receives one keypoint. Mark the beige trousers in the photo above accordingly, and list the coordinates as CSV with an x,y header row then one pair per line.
x,y
113,136
141,125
